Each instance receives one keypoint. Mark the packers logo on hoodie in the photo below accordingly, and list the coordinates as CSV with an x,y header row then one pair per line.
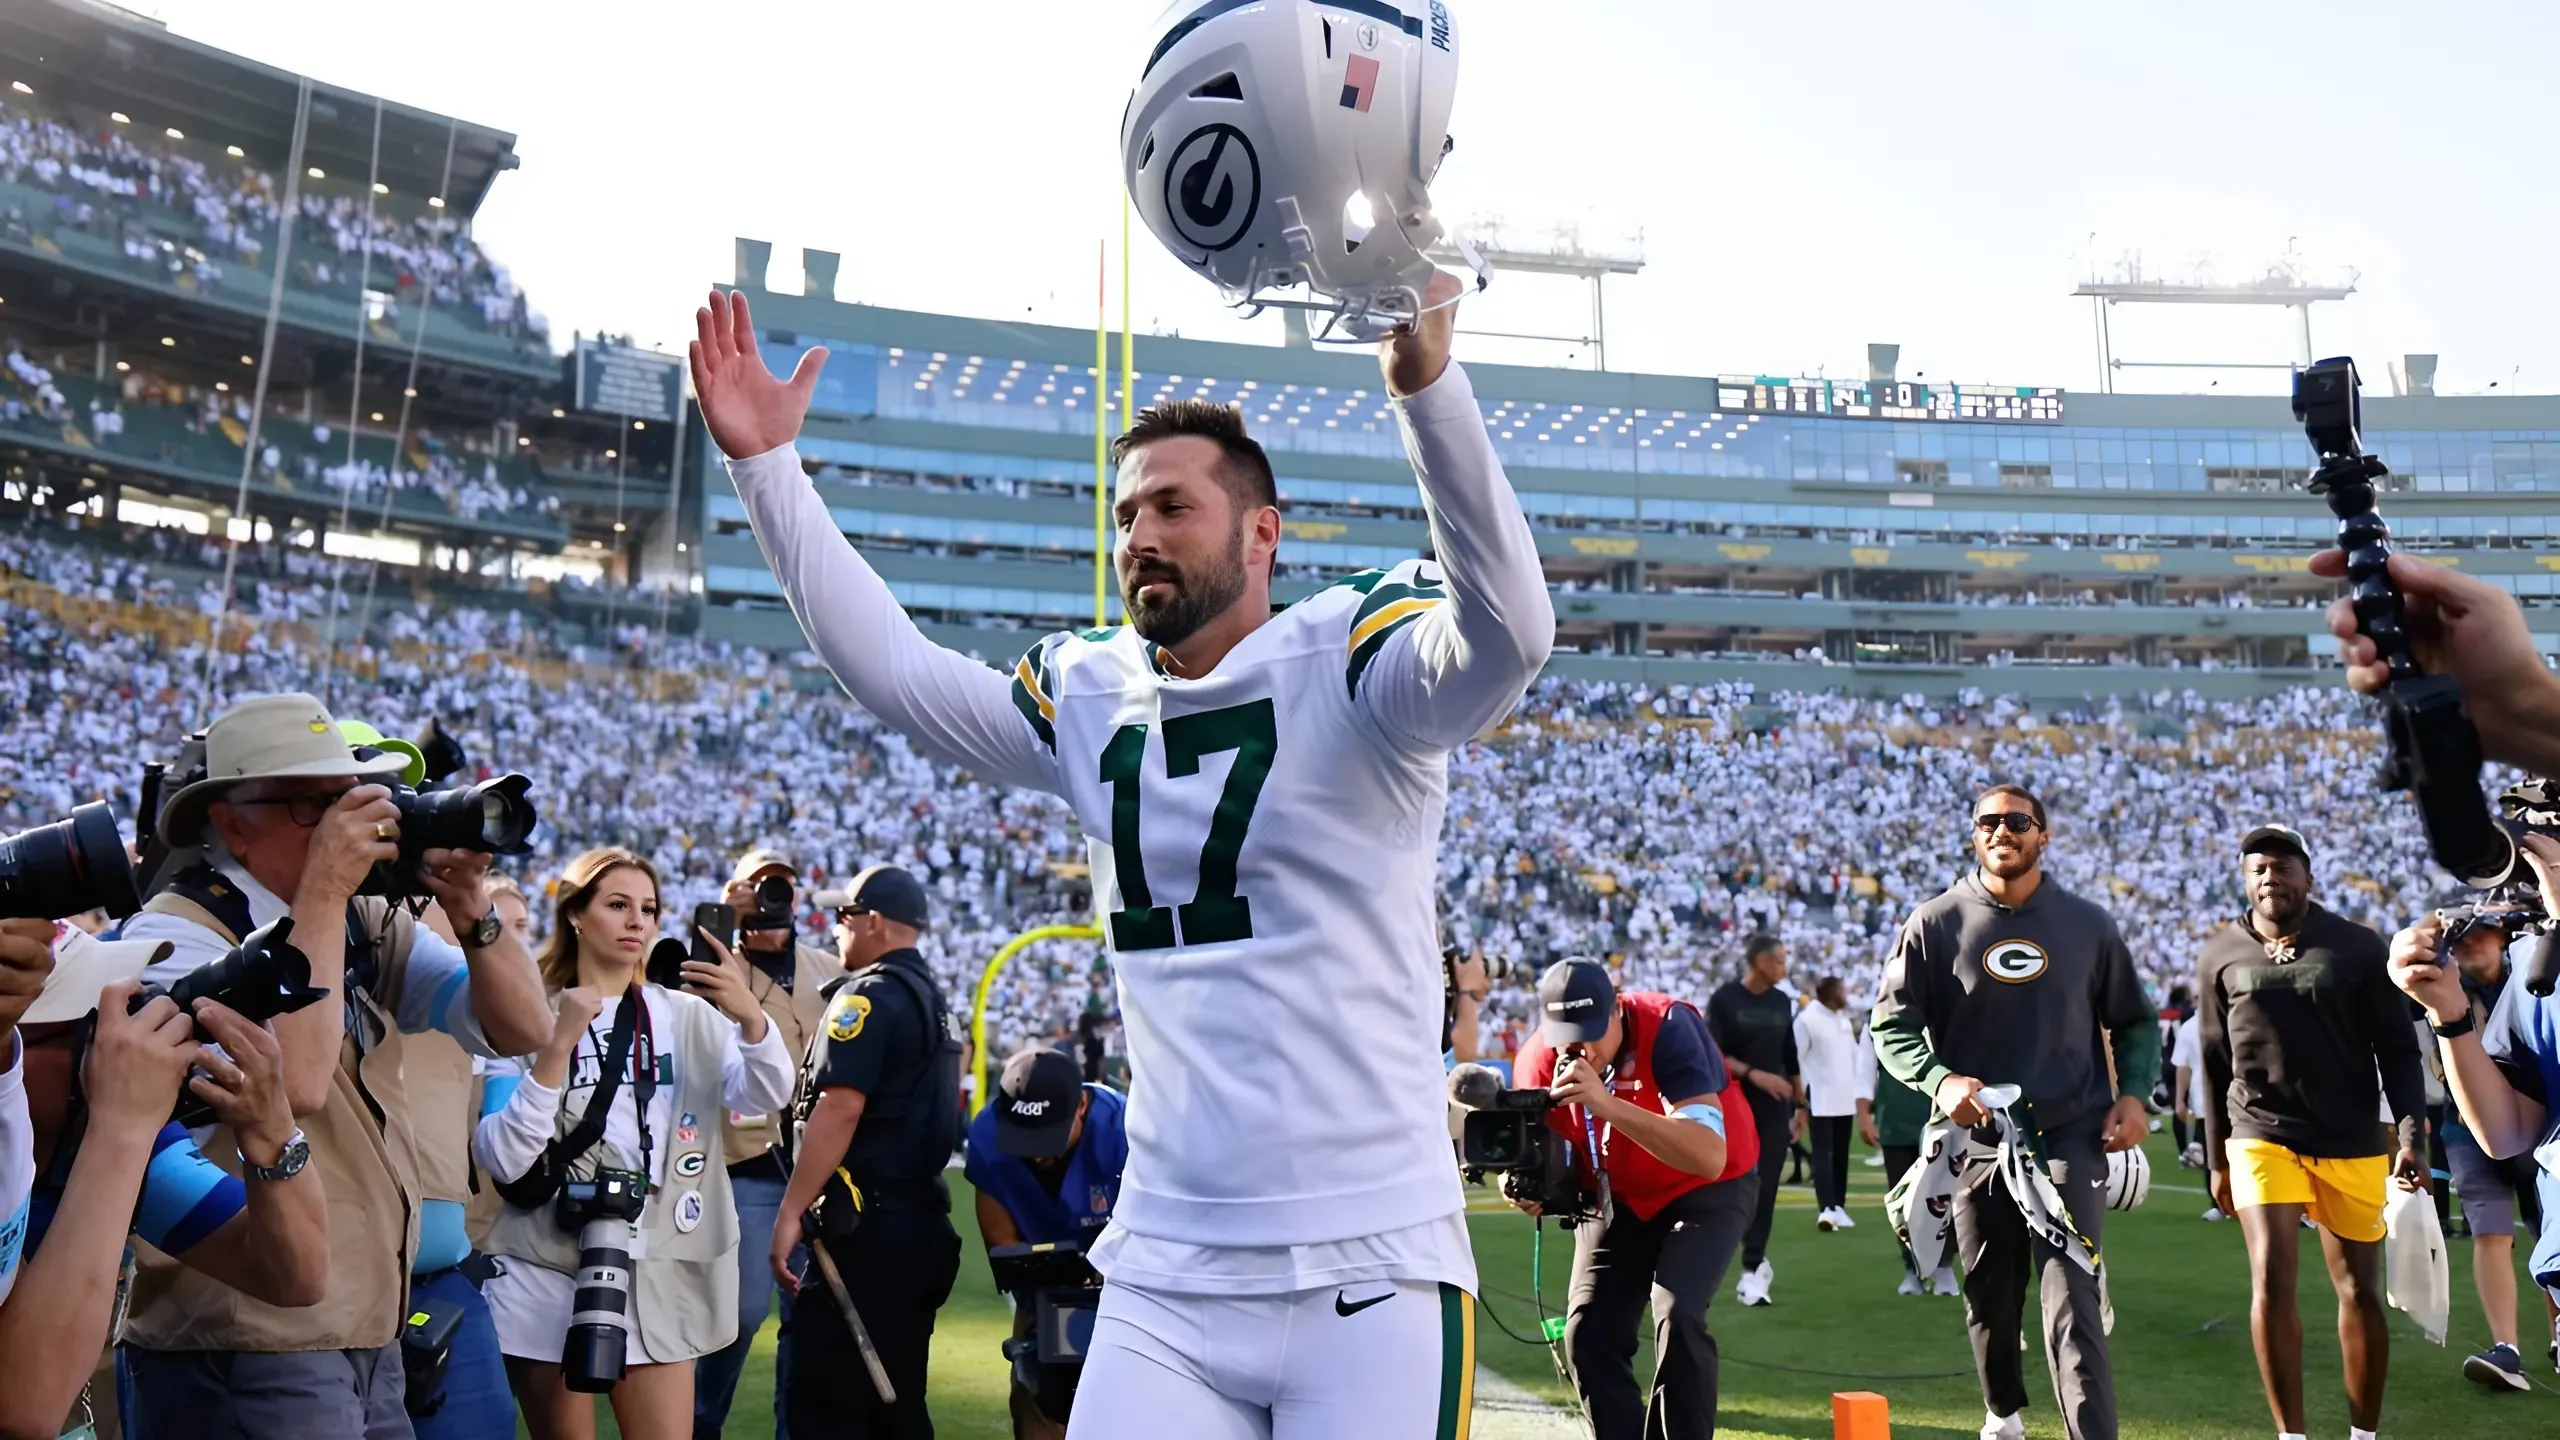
x,y
2014,962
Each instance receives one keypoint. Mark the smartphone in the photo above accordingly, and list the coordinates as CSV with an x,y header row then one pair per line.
x,y
722,922
666,963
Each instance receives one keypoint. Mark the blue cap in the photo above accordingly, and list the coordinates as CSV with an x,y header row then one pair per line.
x,y
1575,1001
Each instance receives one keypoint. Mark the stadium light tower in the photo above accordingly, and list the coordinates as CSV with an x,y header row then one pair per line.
x,y
2287,283
1558,250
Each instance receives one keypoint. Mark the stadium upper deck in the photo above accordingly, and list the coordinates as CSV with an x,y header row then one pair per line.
x,y
1694,528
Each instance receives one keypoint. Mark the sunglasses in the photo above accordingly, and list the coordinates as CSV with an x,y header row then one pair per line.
x,y
303,810
849,914
2018,822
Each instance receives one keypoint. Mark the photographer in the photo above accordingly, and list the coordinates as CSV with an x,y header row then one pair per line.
x,y
1643,1068
785,977
130,1170
290,828
657,1061
1045,1157
2495,1193
2504,1067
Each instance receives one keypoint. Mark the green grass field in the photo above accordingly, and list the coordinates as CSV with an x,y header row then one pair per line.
x,y
2183,1365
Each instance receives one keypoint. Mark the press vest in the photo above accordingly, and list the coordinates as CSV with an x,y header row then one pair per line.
x,y
795,1012
1638,1179
364,1154
684,1286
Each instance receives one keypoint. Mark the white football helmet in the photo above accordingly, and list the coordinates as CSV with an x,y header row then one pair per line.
x,y
2128,1178
1279,143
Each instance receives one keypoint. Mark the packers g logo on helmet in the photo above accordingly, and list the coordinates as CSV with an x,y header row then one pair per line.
x,y
2014,961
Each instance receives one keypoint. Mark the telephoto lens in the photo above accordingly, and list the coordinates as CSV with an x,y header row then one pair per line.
x,y
67,867
263,977
602,1211
493,817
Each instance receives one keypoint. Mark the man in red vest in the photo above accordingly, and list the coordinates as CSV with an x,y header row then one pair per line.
x,y
1681,1154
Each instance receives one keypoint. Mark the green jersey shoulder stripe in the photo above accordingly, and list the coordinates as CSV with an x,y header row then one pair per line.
x,y
1035,688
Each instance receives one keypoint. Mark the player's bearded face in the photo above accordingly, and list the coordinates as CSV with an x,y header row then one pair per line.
x,y
1168,600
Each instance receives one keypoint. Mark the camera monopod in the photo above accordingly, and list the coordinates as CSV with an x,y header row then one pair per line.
x,y
2435,749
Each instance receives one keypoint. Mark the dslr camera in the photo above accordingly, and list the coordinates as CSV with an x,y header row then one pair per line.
x,y
67,867
601,1212
773,905
1506,1133
1062,1293
2515,908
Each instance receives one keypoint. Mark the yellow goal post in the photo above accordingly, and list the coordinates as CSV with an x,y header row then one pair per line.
x,y
987,984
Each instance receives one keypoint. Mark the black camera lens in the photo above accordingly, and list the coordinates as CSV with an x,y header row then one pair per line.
x,y
773,895
493,817
263,977
67,867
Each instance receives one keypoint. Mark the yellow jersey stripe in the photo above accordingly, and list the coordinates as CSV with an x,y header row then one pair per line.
x,y
1387,615
1023,672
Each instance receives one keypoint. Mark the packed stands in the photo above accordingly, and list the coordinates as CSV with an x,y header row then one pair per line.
x,y
1659,825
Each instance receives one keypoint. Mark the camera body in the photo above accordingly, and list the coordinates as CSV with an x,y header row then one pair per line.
x,y
1509,1136
492,817
602,1211
1063,1293
773,905
263,977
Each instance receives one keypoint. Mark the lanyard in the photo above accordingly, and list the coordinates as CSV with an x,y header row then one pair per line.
x,y
644,1071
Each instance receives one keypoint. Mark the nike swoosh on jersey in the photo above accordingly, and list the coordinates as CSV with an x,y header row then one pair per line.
x,y
1343,1308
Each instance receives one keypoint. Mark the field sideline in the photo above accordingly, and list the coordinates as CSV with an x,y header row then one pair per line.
x,y
2184,1370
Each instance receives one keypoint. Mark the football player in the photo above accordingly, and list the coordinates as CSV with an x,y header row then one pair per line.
x,y
1262,796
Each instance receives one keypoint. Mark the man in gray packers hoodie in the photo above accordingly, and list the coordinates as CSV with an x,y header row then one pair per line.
x,y
2008,979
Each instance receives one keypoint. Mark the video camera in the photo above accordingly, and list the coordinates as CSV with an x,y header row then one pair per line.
x,y
1063,1293
1506,1133
67,867
2435,750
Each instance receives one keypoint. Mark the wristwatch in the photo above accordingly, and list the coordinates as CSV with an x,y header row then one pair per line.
x,y
485,933
2463,1026
297,1153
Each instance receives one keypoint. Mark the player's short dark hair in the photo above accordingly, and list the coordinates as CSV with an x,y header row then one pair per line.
x,y
2035,806
1759,945
1247,471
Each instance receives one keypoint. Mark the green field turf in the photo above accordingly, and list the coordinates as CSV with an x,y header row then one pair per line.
x,y
2181,1346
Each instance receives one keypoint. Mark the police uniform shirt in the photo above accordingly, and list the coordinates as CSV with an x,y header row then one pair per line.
x,y
874,1039
1070,1203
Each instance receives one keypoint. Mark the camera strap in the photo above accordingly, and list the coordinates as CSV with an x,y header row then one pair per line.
x,y
534,1188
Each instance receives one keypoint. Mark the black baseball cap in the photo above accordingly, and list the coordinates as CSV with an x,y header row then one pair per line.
x,y
880,890
1575,1001
1036,1104
2275,839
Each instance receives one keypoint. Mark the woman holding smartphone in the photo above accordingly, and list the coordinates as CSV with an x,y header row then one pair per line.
x,y
681,1059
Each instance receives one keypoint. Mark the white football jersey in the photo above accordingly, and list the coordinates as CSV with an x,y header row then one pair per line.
x,y
1263,859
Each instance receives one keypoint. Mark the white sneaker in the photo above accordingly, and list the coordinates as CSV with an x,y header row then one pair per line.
x,y
2003,1427
1822,1219
1911,1285
1840,1218
1753,1288
2214,1212
1944,1282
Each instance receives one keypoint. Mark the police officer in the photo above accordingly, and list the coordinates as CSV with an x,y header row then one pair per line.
x,y
876,1120
1045,1158
2008,979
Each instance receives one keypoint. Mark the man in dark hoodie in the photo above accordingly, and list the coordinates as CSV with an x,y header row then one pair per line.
x,y
2008,979
2296,1015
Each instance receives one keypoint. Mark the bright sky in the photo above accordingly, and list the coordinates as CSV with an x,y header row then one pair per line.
x,y
1808,177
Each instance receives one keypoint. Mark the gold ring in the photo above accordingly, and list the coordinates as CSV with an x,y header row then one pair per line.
x,y
385,830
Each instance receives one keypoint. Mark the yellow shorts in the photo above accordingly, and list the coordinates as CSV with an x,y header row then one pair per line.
x,y
2343,1197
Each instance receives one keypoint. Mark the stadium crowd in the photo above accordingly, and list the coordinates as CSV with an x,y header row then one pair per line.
x,y
1658,825
158,202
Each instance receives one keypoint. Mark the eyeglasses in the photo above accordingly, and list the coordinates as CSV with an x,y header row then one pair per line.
x,y
2019,822
303,810
848,914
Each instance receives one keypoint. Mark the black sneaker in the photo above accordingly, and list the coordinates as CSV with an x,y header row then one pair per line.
x,y
2498,1367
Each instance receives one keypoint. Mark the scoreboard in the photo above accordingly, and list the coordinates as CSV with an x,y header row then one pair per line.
x,y
1888,400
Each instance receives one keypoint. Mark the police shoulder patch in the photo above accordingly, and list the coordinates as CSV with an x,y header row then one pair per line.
x,y
846,1014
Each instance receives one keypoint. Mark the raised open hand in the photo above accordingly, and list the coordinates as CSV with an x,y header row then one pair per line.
x,y
747,409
